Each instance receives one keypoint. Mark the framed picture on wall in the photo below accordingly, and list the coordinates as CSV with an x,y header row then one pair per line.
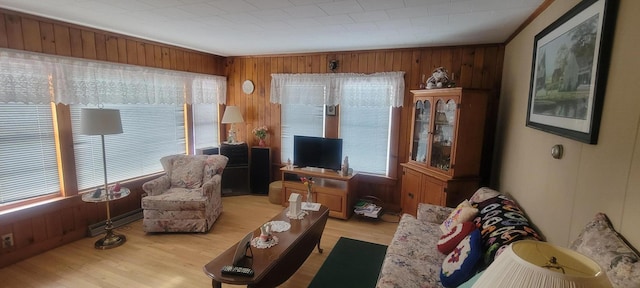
x,y
569,71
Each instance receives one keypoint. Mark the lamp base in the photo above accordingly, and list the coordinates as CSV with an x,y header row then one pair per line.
x,y
231,138
110,240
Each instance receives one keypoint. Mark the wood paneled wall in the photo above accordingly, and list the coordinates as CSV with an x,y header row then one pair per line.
x,y
36,34
47,226
44,227
477,66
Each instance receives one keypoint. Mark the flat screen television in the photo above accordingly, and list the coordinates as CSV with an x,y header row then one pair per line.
x,y
317,152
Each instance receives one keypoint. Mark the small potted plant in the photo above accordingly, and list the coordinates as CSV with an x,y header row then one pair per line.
x,y
261,133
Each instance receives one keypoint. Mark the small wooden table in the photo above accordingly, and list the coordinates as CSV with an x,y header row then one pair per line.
x,y
110,239
273,266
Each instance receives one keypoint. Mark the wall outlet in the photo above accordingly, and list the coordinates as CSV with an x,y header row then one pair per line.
x,y
7,240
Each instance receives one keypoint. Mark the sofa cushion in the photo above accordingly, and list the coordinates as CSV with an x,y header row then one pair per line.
x,y
449,241
482,194
463,213
412,259
176,199
599,241
187,172
460,265
502,222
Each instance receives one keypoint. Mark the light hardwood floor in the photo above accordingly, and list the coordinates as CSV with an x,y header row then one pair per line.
x,y
176,260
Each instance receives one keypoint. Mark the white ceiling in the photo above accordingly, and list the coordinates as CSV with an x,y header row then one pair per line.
x,y
260,27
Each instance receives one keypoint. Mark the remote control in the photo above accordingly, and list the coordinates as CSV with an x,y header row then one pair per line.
x,y
235,270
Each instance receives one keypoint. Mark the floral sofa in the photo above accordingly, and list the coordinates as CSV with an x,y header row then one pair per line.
x,y
414,258
187,198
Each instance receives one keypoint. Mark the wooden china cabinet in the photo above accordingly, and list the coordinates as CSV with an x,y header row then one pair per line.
x,y
445,148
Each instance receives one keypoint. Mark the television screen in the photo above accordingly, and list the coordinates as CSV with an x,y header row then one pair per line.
x,y
317,152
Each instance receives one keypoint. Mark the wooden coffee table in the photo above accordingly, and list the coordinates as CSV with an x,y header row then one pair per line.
x,y
273,266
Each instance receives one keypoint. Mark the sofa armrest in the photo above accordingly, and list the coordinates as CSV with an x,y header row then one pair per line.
x,y
157,186
212,186
433,213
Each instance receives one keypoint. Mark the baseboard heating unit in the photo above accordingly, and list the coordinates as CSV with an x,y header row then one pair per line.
x,y
118,221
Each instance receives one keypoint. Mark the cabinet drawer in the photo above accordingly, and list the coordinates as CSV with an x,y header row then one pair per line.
x,y
334,202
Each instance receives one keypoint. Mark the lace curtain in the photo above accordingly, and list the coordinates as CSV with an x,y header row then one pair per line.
x,y
36,78
329,89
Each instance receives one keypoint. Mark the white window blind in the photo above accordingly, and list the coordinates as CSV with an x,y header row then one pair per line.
x,y
365,125
299,119
149,133
28,165
365,112
205,125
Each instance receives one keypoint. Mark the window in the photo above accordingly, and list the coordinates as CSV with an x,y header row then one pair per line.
x,y
150,132
365,133
153,127
28,163
205,125
299,119
365,105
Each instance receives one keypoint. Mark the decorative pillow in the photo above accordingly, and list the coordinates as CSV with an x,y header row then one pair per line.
x,y
482,194
449,241
501,222
187,172
600,242
463,213
460,264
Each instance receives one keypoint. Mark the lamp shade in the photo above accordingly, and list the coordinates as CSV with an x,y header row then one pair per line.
x,y
529,263
232,115
100,121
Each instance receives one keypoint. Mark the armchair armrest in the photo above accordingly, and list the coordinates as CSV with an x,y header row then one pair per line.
x,y
212,185
157,186
433,213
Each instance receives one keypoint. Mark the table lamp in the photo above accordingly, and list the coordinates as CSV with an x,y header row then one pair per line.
x,y
529,263
231,116
103,122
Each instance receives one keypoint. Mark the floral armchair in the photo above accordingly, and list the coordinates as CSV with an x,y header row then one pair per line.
x,y
187,198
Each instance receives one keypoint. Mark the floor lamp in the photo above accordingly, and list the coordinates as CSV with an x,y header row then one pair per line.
x,y
103,122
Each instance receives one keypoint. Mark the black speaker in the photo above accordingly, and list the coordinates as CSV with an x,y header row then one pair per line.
x,y
260,170
235,178
208,151
238,154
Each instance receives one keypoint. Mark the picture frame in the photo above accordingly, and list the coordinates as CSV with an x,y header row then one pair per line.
x,y
331,110
569,71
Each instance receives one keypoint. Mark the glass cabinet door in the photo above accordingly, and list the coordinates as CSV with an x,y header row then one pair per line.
x,y
421,130
443,134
